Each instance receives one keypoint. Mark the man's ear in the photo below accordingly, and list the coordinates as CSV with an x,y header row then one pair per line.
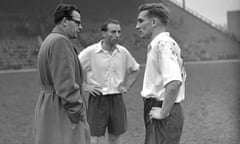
x,y
154,22
103,33
64,21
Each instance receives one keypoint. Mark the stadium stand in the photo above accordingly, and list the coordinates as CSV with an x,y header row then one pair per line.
x,y
24,26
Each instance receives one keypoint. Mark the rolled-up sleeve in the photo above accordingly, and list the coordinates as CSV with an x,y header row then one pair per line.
x,y
169,65
84,58
132,64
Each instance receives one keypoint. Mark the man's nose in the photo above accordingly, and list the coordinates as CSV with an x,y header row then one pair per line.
x,y
137,26
118,34
80,27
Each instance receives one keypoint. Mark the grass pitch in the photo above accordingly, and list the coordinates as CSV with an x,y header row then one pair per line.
x,y
211,107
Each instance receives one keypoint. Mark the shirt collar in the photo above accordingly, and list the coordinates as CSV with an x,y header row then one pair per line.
x,y
100,48
158,37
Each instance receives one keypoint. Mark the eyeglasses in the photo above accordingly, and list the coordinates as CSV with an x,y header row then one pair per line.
x,y
76,21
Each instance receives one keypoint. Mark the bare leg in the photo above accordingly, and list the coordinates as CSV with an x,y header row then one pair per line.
x,y
94,140
114,139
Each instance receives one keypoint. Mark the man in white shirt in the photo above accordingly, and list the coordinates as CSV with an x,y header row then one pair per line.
x,y
164,79
110,71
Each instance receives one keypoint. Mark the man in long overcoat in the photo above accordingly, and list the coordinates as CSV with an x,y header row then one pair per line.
x,y
60,115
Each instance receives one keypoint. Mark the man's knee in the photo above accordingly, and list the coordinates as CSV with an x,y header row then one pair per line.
x,y
113,136
114,139
94,140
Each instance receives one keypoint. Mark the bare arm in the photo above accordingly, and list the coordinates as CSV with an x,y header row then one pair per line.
x,y
130,80
172,90
168,56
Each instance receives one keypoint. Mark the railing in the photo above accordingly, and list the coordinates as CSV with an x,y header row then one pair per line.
x,y
206,20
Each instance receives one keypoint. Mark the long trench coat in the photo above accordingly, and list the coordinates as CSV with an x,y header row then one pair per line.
x,y
60,113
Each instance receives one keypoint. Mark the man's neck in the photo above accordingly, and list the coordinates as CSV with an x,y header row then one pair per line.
x,y
108,46
157,31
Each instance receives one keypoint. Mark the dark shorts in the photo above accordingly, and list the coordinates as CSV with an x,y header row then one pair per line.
x,y
107,111
165,131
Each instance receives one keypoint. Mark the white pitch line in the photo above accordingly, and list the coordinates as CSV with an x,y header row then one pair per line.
x,y
213,61
142,65
205,62
17,71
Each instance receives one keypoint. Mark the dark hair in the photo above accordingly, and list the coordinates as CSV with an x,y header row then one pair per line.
x,y
158,10
104,27
64,10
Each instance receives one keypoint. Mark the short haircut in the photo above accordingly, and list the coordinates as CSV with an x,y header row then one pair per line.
x,y
104,27
158,10
64,10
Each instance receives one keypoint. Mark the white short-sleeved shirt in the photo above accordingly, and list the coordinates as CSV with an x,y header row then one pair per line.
x,y
106,70
164,64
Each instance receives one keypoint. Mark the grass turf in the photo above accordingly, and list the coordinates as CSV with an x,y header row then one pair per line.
x,y
211,107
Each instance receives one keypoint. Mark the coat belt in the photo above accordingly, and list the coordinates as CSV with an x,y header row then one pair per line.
x,y
47,88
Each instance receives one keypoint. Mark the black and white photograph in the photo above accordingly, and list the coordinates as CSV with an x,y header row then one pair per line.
x,y
119,71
